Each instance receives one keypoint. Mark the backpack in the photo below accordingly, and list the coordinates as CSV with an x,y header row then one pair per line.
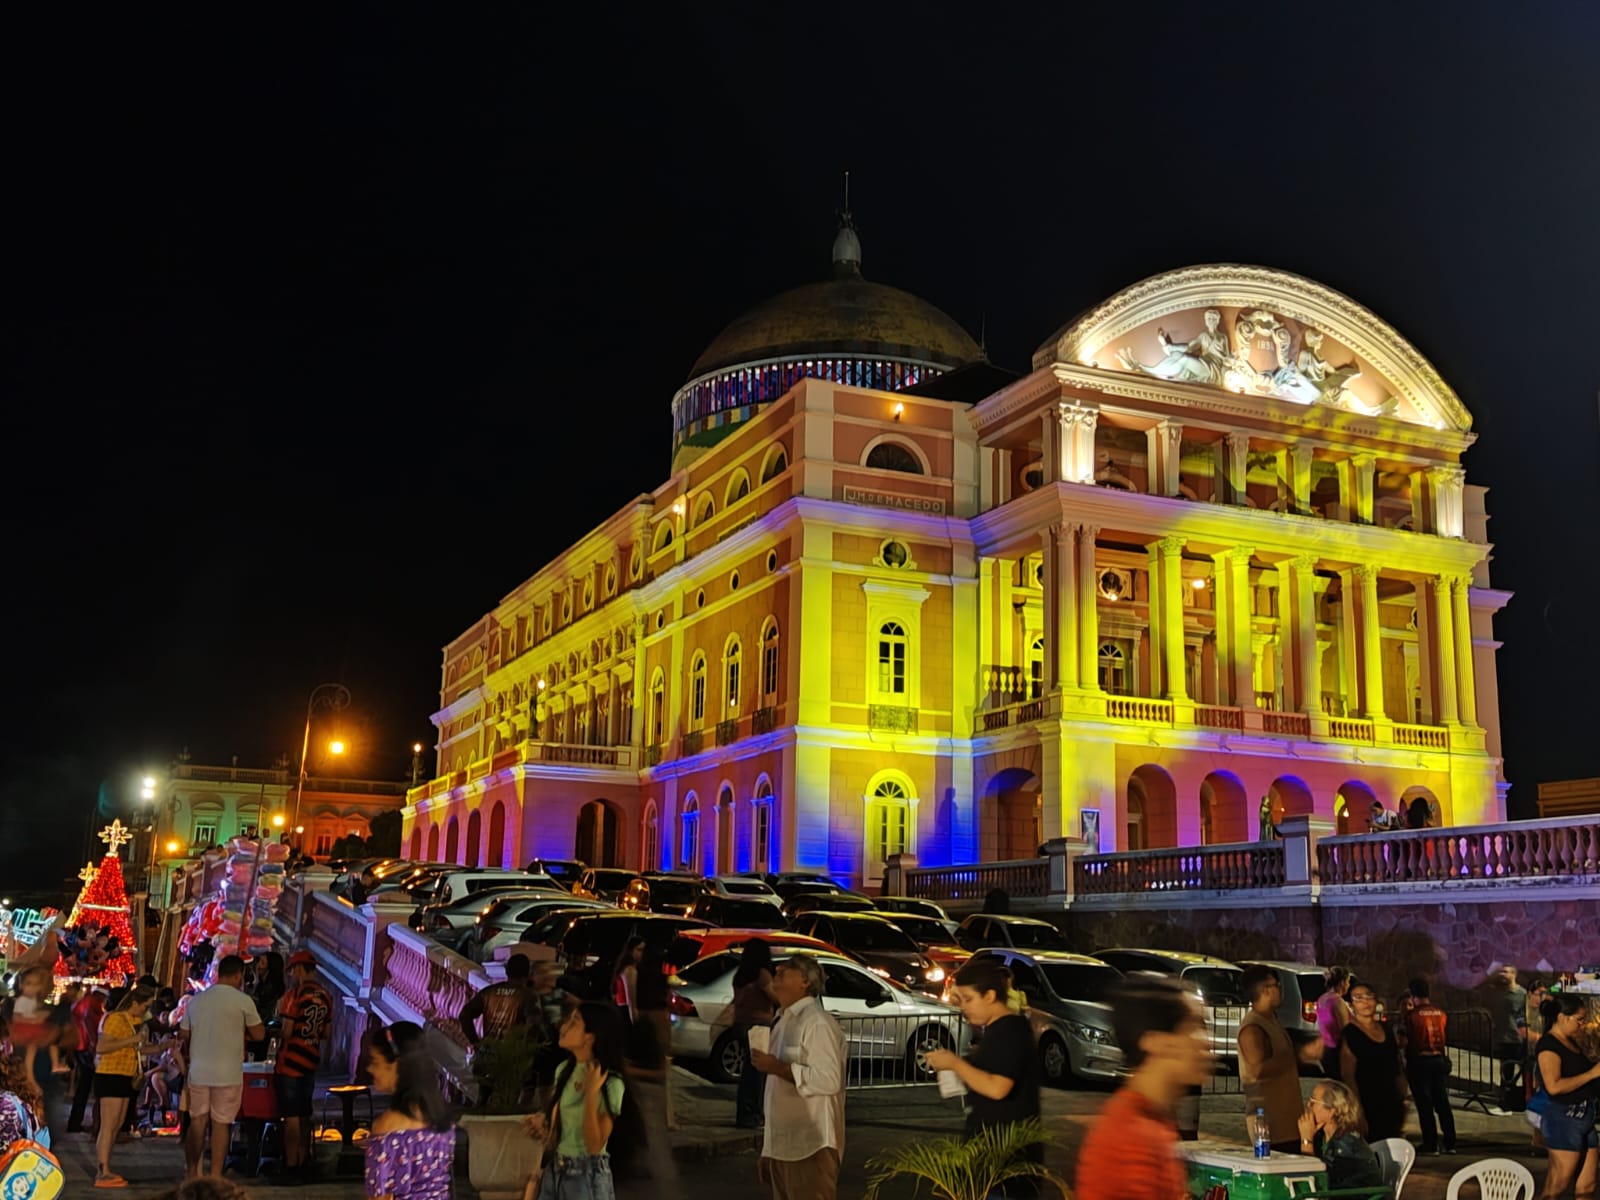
x,y
27,1170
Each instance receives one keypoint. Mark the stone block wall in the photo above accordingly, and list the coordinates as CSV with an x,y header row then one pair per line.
x,y
1263,932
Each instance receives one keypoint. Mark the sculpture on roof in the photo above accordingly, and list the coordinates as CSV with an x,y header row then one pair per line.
x,y
1204,359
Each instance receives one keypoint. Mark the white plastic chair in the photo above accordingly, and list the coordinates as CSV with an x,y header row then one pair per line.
x,y
1498,1179
1395,1156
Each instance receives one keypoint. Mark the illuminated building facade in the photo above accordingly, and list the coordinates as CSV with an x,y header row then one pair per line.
x,y
1214,557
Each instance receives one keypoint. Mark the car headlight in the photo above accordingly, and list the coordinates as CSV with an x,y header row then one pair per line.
x,y
934,974
1088,1033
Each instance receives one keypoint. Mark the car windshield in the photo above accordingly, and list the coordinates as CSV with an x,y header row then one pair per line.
x,y
613,880
544,929
487,899
1218,985
708,969
757,914
1039,936
925,930
873,935
672,891
745,887
1080,981
494,883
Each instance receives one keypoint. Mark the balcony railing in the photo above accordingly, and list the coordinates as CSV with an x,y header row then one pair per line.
x,y
1350,729
1563,846
893,717
727,732
1424,737
1136,708
591,756
1289,724
1216,716
1003,686
764,720
692,742
652,756
1195,868
1020,877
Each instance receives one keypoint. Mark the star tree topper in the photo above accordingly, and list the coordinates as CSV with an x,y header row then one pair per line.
x,y
88,873
116,835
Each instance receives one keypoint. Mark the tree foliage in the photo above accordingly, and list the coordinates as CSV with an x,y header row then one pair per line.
x,y
966,1168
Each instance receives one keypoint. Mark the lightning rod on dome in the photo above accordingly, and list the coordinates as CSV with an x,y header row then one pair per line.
x,y
846,243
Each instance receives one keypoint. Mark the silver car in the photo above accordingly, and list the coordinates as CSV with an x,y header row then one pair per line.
x,y
1069,1011
883,1022
508,920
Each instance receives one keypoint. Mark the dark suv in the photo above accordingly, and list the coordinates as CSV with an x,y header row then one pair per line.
x,y
593,942
1009,933
878,942
663,892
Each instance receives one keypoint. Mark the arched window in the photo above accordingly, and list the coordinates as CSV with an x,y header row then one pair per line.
x,y
658,706
1036,669
738,489
662,541
769,663
651,839
697,692
892,456
891,659
888,821
777,463
730,680
689,837
704,509
725,832
761,851
1113,669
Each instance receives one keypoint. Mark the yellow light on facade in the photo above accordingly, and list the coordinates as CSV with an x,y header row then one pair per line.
x,y
173,847
299,828
1197,584
899,410
416,747
148,781
277,820
336,747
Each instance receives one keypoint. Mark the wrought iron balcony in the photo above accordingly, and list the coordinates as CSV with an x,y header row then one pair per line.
x,y
894,717
764,720
728,732
692,742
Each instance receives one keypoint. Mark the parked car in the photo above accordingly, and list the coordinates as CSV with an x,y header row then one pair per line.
x,y
565,871
1069,1010
701,1007
757,912
508,922
736,885
698,943
914,907
412,883
1303,984
879,942
1216,979
1007,932
840,901
936,940
662,891
604,883
593,941
452,885
796,883
450,924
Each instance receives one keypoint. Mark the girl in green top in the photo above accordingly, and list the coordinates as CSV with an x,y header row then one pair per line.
x,y
588,1099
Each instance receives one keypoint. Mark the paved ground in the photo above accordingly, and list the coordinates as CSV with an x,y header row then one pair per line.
x,y
718,1160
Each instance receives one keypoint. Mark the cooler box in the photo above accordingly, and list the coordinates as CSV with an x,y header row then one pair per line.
x,y
260,1101
1250,1178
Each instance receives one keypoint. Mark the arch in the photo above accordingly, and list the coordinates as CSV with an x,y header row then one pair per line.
x,y
775,464
1419,808
433,843
416,844
663,539
1152,794
452,840
1352,807
689,834
650,838
697,690
495,856
761,816
891,826
769,658
738,488
1224,809
704,509
658,706
730,678
1289,797
1012,815
727,811
474,838
892,454
597,840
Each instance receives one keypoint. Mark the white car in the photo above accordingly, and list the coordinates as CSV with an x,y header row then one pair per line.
x,y
884,1024
738,885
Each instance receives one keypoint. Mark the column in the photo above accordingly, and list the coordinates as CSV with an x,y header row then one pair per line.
x,y
1466,684
1163,446
1366,578
1442,645
1444,497
1307,670
1300,476
1060,608
1167,556
1077,438
1053,434
1233,616
1236,464
1364,467
1088,611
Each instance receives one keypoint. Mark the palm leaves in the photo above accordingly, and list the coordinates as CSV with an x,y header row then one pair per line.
x,y
966,1168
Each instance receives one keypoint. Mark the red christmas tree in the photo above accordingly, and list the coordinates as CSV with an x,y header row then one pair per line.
x,y
104,902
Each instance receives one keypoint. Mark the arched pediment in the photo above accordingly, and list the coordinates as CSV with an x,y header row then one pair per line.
x,y
1274,334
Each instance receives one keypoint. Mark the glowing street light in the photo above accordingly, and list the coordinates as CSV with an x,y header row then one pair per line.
x,y
336,747
173,846
334,697
277,820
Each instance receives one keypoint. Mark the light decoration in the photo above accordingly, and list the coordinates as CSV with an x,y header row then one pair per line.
x,y
104,902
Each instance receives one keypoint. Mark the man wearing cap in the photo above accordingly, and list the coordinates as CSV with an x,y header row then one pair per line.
x,y
306,1015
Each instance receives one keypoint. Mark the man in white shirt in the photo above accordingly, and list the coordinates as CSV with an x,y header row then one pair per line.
x,y
804,1136
218,1022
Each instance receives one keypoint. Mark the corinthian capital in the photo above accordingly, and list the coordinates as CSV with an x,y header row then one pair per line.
x,y
1302,563
1443,477
1167,547
1364,572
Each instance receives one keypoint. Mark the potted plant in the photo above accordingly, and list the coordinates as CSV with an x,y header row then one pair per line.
x,y
500,1156
966,1168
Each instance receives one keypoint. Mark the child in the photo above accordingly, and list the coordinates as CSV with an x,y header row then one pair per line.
x,y
30,1020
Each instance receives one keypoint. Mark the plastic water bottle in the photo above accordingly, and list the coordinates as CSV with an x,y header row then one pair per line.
x,y
1260,1134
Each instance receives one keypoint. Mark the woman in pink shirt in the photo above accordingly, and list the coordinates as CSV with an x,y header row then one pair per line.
x,y
1333,1014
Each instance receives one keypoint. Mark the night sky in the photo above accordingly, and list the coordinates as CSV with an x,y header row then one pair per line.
x,y
327,330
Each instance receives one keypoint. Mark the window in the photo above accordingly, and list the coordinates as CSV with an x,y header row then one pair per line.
x,y
738,489
697,691
651,839
888,820
891,659
324,844
658,707
662,541
704,510
762,851
1036,669
777,464
730,674
205,831
689,838
892,456
1113,669
769,663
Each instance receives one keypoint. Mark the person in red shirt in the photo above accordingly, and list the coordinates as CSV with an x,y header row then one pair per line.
x,y
87,1014
1428,1070
306,1017
1132,1151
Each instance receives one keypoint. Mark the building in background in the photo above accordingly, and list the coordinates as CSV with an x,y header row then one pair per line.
x,y
1213,562
1569,798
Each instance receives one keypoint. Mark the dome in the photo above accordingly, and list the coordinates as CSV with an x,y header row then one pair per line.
x,y
846,329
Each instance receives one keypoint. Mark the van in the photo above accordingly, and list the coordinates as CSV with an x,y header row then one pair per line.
x,y
454,885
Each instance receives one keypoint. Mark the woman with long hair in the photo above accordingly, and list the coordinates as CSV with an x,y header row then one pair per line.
x,y
1328,1130
625,979
1333,1014
1002,1074
1568,1078
1369,1063
753,1004
586,1112
413,1144
21,1104
116,1066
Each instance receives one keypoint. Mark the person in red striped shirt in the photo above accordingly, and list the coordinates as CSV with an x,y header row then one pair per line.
x,y
1132,1151
306,1017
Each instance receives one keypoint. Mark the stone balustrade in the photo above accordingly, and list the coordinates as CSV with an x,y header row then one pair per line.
x,y
429,984
1567,847
974,881
1242,865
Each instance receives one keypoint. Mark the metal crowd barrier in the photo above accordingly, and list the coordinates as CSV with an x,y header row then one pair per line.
x,y
885,1052
1474,1070
1223,1026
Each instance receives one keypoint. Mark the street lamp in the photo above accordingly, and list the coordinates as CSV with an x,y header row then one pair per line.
x,y
416,762
539,714
334,697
